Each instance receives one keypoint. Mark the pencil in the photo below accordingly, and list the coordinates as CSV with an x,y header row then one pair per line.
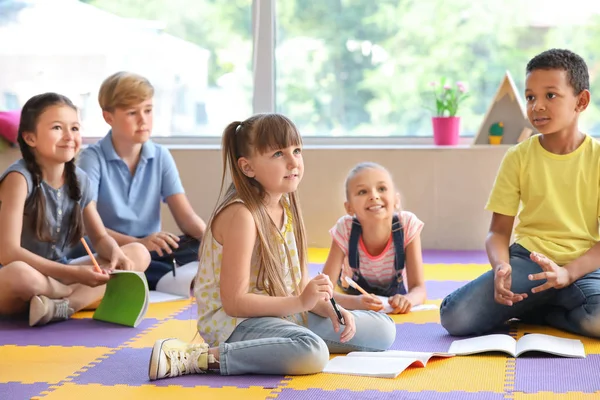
x,y
96,266
356,286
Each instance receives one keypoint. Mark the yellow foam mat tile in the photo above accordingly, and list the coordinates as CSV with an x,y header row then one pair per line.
x,y
185,330
468,374
316,255
70,391
556,396
454,272
419,317
155,310
51,364
591,345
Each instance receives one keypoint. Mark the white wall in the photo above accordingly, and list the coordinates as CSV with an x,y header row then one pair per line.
x,y
446,187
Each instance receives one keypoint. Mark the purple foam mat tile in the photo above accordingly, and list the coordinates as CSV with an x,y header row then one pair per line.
x,y
74,332
17,390
428,337
455,257
314,269
342,394
437,290
188,313
545,373
130,367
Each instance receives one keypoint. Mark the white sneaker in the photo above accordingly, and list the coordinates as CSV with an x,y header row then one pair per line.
x,y
43,310
173,357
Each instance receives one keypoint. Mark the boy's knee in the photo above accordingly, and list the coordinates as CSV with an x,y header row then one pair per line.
x,y
456,319
590,325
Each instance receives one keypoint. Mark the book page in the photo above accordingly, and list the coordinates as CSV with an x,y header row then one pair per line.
x,y
378,367
387,309
423,357
482,344
161,297
178,285
550,344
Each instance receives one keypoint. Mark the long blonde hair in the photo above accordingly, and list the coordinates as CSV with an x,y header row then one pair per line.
x,y
257,135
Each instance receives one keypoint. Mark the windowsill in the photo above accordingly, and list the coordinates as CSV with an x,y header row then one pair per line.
x,y
325,143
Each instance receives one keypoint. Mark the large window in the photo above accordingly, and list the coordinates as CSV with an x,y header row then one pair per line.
x,y
363,68
196,53
343,68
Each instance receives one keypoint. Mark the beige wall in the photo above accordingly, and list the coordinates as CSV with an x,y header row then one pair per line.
x,y
445,187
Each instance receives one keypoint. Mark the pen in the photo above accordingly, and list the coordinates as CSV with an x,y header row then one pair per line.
x,y
96,266
174,267
336,309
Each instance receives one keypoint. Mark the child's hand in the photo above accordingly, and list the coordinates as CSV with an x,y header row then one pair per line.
x,y
118,260
556,277
319,288
161,241
87,275
349,324
369,303
400,304
502,283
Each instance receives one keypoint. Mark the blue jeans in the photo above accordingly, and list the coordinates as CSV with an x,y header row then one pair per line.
x,y
472,310
274,346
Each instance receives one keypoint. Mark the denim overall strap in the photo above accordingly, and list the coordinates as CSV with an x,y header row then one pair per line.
x,y
397,286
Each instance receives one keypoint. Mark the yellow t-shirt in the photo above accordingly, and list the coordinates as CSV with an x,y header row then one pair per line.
x,y
559,197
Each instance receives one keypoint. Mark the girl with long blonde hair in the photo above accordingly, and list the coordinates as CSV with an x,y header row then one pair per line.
x,y
258,310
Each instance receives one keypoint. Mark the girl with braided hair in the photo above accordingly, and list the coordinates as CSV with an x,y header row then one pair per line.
x,y
45,208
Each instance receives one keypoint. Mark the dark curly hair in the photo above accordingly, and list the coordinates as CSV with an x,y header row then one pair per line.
x,y
565,60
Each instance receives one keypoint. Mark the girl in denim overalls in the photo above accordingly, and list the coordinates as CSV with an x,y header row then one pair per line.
x,y
373,243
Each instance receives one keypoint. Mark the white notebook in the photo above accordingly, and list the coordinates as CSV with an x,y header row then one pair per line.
x,y
383,364
422,307
531,342
178,287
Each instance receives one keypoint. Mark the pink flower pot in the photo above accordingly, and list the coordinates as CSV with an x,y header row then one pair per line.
x,y
446,130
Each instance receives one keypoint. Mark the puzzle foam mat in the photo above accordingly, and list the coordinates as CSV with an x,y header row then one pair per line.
x,y
86,359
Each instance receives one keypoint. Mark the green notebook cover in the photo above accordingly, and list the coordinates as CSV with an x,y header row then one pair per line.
x,y
126,299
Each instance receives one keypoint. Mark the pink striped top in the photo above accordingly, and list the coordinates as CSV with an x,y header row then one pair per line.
x,y
378,270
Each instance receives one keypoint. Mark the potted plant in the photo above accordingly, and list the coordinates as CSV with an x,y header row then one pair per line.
x,y
445,122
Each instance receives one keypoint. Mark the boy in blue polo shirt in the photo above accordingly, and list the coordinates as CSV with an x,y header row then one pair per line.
x,y
130,176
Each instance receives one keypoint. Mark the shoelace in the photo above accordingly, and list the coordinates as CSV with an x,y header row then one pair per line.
x,y
183,362
61,309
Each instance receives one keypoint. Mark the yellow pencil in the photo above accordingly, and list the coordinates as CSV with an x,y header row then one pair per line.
x,y
96,266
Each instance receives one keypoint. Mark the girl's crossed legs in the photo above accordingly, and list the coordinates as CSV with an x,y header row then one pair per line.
x,y
269,345
24,288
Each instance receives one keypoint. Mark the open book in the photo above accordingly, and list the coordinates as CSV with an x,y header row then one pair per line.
x,y
388,309
178,287
383,364
530,342
125,301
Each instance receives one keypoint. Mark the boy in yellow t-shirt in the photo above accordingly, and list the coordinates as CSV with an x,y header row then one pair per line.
x,y
549,275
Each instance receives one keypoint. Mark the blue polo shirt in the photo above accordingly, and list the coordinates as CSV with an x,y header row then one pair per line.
x,y
130,204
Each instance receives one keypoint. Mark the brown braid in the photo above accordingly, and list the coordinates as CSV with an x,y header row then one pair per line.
x,y
36,204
